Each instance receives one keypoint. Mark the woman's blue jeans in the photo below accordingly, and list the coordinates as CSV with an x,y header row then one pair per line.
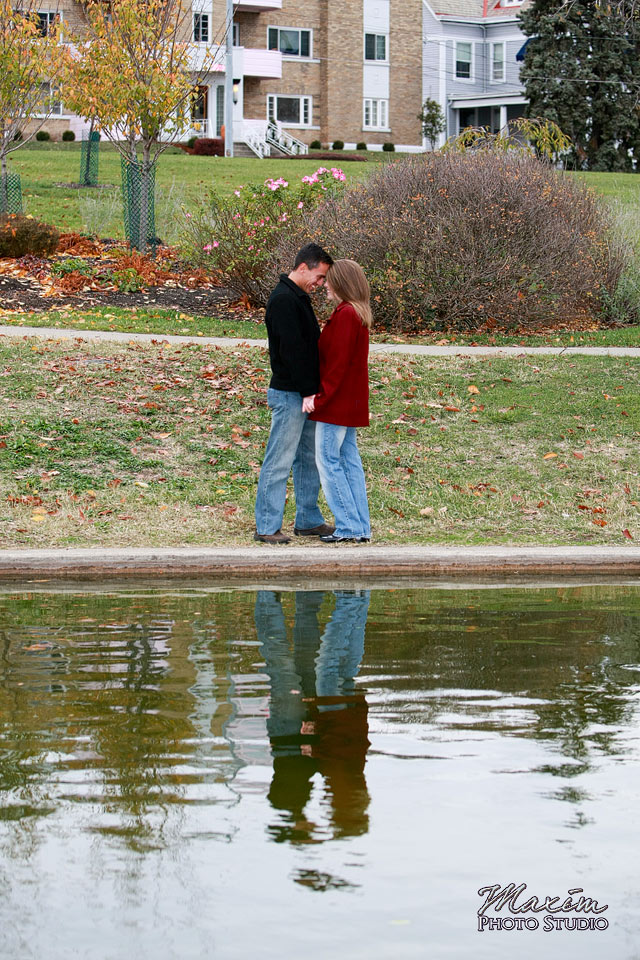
x,y
342,477
291,445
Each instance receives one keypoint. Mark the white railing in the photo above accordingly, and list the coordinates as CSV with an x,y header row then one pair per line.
x,y
252,133
277,137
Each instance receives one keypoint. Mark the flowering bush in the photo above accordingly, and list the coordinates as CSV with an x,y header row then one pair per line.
x,y
238,236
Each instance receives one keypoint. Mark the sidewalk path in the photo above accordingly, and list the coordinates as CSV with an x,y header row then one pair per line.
x,y
63,333
300,563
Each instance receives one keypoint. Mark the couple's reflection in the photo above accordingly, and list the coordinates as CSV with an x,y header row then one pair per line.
x,y
317,721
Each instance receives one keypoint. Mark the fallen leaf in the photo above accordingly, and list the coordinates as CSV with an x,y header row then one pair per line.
x,y
549,456
627,535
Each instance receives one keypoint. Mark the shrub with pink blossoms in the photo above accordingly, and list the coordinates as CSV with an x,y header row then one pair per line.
x,y
238,236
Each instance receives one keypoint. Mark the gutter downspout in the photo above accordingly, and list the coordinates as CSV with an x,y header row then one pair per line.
x,y
487,66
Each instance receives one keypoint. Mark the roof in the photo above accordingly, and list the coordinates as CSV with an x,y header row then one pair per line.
x,y
477,9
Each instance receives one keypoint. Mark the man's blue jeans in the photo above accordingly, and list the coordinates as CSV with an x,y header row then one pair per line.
x,y
291,445
342,477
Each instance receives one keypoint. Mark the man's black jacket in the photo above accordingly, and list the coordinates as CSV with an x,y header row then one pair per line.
x,y
293,339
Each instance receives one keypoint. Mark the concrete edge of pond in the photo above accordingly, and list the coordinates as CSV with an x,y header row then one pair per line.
x,y
316,561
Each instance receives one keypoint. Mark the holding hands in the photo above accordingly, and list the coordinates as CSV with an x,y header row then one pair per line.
x,y
308,404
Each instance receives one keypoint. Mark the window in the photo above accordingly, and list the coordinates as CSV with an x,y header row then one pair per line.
x,y
464,53
375,46
200,104
236,34
201,27
46,21
219,109
290,41
497,62
290,111
51,104
376,115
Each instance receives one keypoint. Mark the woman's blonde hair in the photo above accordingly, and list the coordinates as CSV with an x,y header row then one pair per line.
x,y
349,283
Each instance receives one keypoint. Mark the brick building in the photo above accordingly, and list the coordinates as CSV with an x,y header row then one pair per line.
x,y
351,70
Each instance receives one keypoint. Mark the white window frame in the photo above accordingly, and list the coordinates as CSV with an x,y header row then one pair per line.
x,y
492,61
51,15
385,37
470,78
200,14
376,110
236,35
300,31
60,112
306,109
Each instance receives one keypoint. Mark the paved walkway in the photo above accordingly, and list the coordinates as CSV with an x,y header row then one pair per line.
x,y
299,564
96,336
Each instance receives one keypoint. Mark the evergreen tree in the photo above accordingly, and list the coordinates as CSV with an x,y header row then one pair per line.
x,y
582,70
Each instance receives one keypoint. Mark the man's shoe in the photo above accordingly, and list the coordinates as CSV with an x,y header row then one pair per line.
x,y
333,539
324,530
277,537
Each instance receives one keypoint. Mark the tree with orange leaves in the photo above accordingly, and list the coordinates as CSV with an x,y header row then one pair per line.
x,y
133,71
31,59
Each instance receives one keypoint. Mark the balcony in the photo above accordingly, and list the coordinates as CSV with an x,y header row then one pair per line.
x,y
247,61
257,6
256,62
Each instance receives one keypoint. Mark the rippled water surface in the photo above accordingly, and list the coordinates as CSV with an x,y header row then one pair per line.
x,y
191,773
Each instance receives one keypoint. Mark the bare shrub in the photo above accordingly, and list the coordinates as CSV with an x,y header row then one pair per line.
x,y
20,236
470,240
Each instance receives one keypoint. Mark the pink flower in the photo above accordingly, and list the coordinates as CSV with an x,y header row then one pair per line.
x,y
215,243
300,205
207,248
237,193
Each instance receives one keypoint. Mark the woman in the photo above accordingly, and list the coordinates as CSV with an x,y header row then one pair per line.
x,y
342,403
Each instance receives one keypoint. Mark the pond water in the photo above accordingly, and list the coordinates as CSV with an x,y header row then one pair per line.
x,y
194,772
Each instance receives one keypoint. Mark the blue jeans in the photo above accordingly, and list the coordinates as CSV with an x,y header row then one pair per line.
x,y
291,445
342,478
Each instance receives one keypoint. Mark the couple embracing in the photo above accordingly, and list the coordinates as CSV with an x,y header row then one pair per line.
x,y
318,395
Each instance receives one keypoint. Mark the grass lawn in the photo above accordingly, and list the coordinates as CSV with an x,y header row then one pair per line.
x,y
159,445
180,180
142,320
232,324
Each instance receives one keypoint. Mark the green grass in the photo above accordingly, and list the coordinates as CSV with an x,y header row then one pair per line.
x,y
624,187
142,320
149,445
180,181
228,323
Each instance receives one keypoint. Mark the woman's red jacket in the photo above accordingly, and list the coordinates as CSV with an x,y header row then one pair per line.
x,y
343,346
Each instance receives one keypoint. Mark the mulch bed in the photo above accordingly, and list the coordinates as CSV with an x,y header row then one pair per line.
x,y
33,284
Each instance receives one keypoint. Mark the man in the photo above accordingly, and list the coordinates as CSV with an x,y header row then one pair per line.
x,y
293,351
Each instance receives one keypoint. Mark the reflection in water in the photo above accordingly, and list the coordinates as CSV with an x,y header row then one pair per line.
x,y
156,743
317,722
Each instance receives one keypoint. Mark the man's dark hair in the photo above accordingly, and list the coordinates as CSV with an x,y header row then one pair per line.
x,y
312,254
